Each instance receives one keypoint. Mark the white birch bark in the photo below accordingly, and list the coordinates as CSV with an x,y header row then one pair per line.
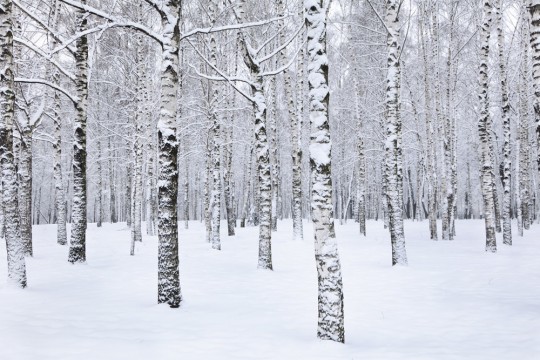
x,y
77,246
506,120
484,130
393,134
534,9
296,148
14,246
168,263
330,288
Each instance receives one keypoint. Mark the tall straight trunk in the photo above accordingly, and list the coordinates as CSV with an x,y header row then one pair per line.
x,y
247,189
140,119
60,193
77,246
393,150
2,217
25,189
112,187
430,134
99,183
330,286
228,182
186,194
484,131
534,9
361,178
442,130
274,161
296,148
524,154
449,141
14,245
206,186
128,198
216,184
264,177
517,183
216,141
505,114
168,264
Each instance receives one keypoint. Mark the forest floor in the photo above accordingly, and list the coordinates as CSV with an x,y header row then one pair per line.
x,y
453,301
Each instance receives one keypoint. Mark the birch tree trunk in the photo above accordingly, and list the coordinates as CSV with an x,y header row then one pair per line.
x,y
430,134
140,119
60,194
507,130
14,245
330,287
393,134
77,246
296,148
168,265
534,9
216,141
361,178
484,130
524,154
25,188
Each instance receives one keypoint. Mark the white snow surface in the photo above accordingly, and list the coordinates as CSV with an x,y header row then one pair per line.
x,y
453,301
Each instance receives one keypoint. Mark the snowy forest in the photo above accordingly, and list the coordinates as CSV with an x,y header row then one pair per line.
x,y
274,173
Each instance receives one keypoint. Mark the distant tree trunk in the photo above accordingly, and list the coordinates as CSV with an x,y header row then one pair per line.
x,y
99,184
140,120
484,130
112,188
517,183
296,148
505,114
247,189
361,178
14,246
330,288
129,194
430,134
394,165
228,182
60,194
77,246
25,189
206,186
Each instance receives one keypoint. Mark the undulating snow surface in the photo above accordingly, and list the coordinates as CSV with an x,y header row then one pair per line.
x,y
453,301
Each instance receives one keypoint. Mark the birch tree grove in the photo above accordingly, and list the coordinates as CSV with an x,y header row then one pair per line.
x,y
177,123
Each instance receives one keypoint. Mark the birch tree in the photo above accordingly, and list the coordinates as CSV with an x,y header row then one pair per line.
x,y
330,295
15,250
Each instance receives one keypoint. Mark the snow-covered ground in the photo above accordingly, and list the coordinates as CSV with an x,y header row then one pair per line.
x,y
453,301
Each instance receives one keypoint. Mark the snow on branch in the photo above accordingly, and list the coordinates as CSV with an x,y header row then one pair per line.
x,y
229,80
240,26
283,46
38,51
42,24
286,66
115,22
73,99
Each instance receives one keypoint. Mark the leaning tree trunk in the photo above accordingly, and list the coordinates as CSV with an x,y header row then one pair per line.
x,y
484,130
77,246
330,287
168,264
14,245
393,133
505,114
